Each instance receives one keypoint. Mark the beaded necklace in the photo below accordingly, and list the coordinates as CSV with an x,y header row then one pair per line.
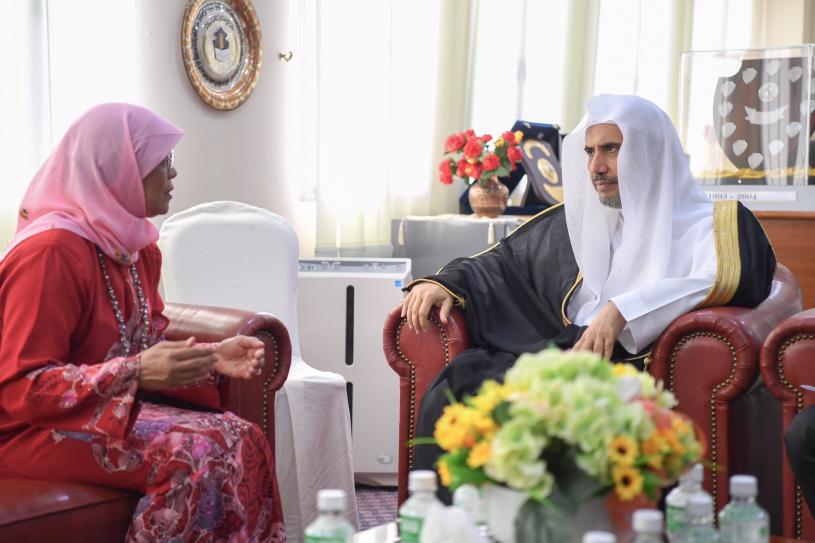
x,y
120,320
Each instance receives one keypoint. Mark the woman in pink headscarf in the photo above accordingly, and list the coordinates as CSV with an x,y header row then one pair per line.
x,y
80,347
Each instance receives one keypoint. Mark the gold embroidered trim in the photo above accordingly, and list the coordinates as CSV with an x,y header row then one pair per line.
x,y
459,300
527,221
728,260
566,320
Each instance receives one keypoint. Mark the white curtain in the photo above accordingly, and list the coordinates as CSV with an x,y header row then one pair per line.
x,y
64,57
24,104
368,77
540,60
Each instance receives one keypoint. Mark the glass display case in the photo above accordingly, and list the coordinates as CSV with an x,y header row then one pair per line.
x,y
746,121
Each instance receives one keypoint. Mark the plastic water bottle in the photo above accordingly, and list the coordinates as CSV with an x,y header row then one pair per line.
x,y
699,520
743,520
422,487
647,524
468,498
330,526
677,500
599,537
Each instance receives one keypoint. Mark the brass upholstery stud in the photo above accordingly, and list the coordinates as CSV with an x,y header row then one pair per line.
x,y
714,431
799,405
412,394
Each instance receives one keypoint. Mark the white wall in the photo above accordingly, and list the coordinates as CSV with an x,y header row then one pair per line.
x,y
110,51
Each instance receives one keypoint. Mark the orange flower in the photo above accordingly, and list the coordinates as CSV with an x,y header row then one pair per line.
x,y
514,154
444,473
479,455
473,148
491,162
454,143
445,172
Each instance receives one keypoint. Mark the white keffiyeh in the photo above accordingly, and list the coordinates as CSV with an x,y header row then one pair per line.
x,y
664,260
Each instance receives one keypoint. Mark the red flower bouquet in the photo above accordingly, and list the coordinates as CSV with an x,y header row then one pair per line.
x,y
478,158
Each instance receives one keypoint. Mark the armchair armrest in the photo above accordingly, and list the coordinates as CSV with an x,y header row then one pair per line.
x,y
708,358
786,364
418,358
252,400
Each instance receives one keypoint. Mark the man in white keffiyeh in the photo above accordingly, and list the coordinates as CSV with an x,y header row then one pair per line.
x,y
641,234
635,245
645,245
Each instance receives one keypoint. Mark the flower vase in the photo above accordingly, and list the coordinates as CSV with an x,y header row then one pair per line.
x,y
488,199
513,518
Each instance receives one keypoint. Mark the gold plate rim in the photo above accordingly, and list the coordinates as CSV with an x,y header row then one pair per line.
x,y
246,82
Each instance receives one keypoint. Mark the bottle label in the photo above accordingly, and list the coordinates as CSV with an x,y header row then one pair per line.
x,y
674,518
410,528
326,539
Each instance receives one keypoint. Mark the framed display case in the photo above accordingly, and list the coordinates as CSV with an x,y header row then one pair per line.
x,y
746,121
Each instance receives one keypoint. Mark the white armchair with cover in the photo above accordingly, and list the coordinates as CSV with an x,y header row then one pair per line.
x,y
236,255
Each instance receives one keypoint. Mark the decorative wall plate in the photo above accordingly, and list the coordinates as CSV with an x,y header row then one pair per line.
x,y
221,46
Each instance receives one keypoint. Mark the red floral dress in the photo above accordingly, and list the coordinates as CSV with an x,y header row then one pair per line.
x,y
70,408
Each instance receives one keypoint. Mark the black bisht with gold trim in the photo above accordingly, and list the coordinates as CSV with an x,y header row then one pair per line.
x,y
514,298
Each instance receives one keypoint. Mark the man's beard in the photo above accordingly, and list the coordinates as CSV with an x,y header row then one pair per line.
x,y
613,201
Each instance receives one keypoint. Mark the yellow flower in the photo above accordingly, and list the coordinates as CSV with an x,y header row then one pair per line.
x,y
499,142
623,450
453,429
673,442
492,393
479,455
460,427
444,473
681,426
653,448
518,136
622,370
627,482
484,424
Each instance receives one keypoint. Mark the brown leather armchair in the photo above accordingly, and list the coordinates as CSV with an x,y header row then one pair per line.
x,y
33,510
787,359
708,358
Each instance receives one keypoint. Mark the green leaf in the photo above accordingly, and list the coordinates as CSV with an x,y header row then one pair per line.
x,y
573,486
501,172
461,473
421,441
651,484
501,413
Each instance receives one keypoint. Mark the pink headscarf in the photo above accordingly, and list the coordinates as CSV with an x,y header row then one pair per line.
x,y
92,184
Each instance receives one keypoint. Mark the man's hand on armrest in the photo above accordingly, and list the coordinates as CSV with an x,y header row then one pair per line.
x,y
420,300
601,334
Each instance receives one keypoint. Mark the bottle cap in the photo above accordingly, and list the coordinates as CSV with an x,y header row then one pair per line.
x,y
700,505
422,480
743,486
647,521
599,537
331,500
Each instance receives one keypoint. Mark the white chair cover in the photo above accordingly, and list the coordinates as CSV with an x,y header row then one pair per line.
x,y
235,255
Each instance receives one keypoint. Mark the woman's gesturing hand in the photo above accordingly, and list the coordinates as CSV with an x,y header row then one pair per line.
x,y
172,364
240,357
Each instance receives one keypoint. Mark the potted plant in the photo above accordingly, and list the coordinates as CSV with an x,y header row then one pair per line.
x,y
566,435
480,161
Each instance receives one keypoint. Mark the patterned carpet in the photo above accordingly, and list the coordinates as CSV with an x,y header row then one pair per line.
x,y
376,505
